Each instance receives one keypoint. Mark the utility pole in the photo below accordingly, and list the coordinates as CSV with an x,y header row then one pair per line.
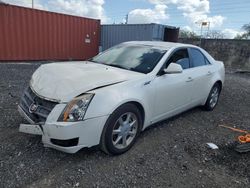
x,y
32,3
201,28
126,18
208,29
203,23
200,23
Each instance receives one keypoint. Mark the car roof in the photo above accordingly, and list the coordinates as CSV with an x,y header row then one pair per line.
x,y
160,44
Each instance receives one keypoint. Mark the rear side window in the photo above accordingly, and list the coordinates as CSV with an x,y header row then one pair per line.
x,y
180,57
197,57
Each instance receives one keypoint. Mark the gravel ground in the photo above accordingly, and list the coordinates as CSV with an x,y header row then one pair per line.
x,y
172,153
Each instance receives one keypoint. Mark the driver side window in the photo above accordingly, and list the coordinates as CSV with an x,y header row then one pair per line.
x,y
180,57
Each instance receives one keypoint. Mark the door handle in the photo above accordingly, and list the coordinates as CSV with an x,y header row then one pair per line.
x,y
209,73
190,79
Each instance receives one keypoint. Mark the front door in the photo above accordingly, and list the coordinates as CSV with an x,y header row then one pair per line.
x,y
174,91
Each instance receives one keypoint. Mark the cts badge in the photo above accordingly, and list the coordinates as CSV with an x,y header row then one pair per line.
x,y
33,107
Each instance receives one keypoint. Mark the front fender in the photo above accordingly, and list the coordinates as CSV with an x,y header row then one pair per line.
x,y
107,100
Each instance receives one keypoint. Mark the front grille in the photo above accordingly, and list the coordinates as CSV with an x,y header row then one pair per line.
x,y
41,109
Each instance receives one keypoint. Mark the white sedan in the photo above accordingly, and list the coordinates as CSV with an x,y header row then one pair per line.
x,y
109,99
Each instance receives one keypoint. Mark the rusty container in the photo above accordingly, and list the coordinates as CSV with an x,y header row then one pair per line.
x,y
171,34
28,34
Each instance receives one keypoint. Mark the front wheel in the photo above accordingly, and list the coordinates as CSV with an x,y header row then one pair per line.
x,y
213,97
121,129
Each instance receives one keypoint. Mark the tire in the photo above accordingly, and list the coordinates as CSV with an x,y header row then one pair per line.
x,y
213,97
121,129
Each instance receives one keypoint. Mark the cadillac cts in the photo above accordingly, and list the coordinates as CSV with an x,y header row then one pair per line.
x,y
109,99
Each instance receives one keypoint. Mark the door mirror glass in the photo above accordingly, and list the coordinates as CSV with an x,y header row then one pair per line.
x,y
173,68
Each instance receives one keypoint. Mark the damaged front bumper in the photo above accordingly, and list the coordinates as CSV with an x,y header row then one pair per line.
x,y
30,129
68,137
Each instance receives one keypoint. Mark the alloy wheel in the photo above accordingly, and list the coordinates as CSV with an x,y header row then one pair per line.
x,y
125,130
214,97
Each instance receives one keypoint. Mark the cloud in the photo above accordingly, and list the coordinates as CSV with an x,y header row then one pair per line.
x,y
156,15
191,6
25,3
161,1
231,33
186,28
86,8
196,19
195,11
187,6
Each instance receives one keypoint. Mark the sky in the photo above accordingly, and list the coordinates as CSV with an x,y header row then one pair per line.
x,y
225,16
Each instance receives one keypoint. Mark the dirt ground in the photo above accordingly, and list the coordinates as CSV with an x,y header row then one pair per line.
x,y
172,153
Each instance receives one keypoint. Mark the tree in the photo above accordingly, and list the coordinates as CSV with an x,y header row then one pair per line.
x,y
246,34
215,35
188,34
241,36
246,27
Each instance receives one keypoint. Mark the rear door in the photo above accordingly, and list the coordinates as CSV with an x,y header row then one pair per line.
x,y
201,74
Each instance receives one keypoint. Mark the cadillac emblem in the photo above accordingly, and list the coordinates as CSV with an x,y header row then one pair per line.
x,y
33,107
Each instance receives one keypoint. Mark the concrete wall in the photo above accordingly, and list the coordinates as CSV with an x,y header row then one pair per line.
x,y
234,53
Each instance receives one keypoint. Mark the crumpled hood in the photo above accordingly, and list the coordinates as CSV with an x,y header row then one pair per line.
x,y
64,81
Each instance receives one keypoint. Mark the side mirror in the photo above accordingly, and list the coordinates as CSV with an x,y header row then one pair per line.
x,y
173,68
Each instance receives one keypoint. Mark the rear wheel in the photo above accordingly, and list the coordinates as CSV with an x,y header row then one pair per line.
x,y
121,129
213,97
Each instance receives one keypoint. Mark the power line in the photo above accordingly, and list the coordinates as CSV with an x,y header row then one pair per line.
x,y
233,11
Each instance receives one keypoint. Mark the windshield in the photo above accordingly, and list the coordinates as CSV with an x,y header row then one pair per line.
x,y
137,58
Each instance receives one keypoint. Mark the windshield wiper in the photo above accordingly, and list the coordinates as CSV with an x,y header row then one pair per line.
x,y
115,65
112,65
91,60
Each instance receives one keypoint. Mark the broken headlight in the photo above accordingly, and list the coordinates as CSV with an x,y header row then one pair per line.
x,y
76,109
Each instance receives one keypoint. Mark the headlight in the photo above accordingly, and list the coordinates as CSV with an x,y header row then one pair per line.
x,y
76,109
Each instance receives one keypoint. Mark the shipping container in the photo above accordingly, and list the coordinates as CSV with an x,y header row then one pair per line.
x,y
116,33
30,34
171,34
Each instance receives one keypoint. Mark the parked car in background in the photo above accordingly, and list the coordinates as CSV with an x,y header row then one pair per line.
x,y
109,99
